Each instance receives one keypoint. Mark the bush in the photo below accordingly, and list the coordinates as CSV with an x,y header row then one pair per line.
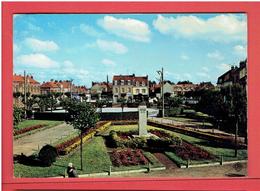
x,y
17,116
174,111
48,155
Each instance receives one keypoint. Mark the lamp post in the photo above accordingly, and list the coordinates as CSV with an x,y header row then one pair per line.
x,y
160,72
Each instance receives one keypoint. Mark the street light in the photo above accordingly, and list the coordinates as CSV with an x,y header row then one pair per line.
x,y
160,72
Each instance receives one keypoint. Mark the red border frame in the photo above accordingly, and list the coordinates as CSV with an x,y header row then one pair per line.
x,y
251,183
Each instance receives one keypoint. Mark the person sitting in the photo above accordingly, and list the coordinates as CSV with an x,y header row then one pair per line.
x,y
71,171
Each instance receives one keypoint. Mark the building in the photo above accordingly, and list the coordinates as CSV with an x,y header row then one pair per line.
x,y
32,86
182,89
101,90
50,87
155,89
236,75
130,87
56,86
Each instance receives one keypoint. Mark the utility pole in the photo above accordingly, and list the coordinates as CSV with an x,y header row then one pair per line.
x,y
71,80
25,91
160,72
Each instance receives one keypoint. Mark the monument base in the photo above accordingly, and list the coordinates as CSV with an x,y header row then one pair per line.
x,y
148,135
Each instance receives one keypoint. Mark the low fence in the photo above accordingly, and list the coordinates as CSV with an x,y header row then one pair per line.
x,y
119,116
55,116
227,141
116,116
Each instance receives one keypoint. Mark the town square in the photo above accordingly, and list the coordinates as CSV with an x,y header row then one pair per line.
x,y
130,95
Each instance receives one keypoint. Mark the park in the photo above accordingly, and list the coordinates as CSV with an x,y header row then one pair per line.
x,y
143,146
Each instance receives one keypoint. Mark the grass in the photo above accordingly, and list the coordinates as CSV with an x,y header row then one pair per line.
x,y
95,159
29,123
190,121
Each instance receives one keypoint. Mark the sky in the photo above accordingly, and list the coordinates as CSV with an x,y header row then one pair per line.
x,y
88,47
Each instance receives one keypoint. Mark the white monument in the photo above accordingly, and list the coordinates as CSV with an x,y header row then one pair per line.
x,y
142,120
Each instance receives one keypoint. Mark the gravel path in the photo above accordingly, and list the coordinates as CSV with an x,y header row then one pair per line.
x,y
29,144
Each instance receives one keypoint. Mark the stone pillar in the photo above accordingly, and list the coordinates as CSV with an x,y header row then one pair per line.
x,y
142,120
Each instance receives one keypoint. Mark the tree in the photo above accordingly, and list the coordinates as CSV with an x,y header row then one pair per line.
x,y
122,101
101,104
17,116
51,102
83,116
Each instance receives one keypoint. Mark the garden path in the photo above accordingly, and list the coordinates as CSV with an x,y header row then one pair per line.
x,y
29,144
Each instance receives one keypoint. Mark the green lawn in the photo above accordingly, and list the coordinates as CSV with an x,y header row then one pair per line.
x,y
29,123
95,159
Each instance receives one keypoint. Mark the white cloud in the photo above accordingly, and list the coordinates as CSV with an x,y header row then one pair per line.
x,y
203,74
37,61
240,50
224,27
108,62
223,67
40,45
89,30
111,46
127,28
215,55
184,57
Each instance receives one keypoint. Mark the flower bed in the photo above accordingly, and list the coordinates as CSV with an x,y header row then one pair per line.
x,y
69,145
128,157
27,129
188,151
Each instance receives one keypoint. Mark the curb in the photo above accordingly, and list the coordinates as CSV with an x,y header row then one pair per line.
x,y
213,164
115,173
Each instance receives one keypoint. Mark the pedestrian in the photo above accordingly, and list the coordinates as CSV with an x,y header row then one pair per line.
x,y
71,171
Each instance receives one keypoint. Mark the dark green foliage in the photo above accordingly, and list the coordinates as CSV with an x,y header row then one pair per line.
x,y
47,155
17,116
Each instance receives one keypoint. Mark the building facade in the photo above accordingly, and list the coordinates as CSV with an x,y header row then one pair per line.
x,y
26,84
130,87
236,75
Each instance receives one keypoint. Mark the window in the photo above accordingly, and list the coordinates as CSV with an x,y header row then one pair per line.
x,y
143,91
123,90
137,83
129,90
122,82
137,91
116,90
129,82
143,83
115,82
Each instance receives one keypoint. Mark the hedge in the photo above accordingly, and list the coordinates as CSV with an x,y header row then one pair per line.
x,y
69,145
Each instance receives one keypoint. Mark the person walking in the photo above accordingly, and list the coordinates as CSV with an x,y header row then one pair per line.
x,y
71,171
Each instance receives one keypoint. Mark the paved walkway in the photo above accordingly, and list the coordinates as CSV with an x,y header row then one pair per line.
x,y
30,144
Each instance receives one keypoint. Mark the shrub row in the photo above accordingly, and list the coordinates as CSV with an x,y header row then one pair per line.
x,y
128,157
27,129
69,145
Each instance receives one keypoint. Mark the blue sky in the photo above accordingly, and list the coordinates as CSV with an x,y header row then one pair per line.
x,y
88,47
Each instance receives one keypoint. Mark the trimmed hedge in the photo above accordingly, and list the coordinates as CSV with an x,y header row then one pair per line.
x,y
27,129
69,145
